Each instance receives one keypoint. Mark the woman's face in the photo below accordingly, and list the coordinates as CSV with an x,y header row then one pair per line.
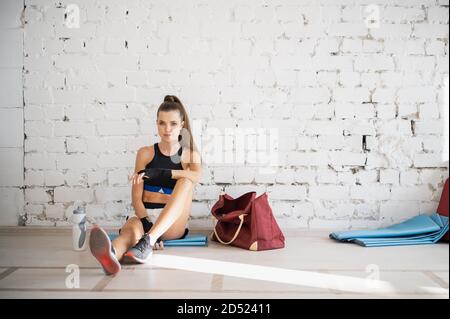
x,y
169,125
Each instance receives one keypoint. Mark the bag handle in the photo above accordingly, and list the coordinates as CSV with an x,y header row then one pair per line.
x,y
241,217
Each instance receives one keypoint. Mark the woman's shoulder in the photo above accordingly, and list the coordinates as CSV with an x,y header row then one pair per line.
x,y
146,152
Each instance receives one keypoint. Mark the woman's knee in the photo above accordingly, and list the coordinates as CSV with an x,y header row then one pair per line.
x,y
133,225
173,233
185,181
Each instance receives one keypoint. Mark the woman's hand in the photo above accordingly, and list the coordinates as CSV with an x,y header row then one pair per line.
x,y
136,178
151,173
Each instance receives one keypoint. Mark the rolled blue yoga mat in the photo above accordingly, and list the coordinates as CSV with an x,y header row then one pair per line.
x,y
190,240
192,243
419,230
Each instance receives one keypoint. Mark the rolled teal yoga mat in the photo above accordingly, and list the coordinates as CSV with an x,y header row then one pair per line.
x,y
190,240
419,230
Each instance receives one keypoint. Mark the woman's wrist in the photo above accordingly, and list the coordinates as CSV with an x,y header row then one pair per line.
x,y
140,211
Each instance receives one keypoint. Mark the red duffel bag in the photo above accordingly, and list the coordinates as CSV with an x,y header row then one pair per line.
x,y
443,205
246,222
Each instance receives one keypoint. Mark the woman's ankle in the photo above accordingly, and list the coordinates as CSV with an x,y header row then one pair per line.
x,y
115,252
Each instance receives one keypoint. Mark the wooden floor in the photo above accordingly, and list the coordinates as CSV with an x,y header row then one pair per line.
x,y
40,263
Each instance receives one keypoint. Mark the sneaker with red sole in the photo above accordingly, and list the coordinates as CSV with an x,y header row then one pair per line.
x,y
101,249
141,252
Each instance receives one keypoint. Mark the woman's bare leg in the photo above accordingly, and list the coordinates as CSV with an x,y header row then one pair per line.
x,y
129,235
177,229
172,219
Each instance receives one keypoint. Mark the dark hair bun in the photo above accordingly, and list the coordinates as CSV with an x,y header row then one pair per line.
x,y
171,98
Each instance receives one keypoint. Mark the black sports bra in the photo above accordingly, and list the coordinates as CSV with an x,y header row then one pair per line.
x,y
159,186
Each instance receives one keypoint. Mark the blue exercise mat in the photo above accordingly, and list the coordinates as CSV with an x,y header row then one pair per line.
x,y
419,230
190,240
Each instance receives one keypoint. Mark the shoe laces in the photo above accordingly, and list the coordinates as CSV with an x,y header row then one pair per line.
x,y
143,243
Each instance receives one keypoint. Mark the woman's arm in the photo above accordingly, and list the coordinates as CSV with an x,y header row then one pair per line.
x,y
138,188
194,176
139,208
192,167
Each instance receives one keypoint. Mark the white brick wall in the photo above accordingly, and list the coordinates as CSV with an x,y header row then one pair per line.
x,y
357,109
11,113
